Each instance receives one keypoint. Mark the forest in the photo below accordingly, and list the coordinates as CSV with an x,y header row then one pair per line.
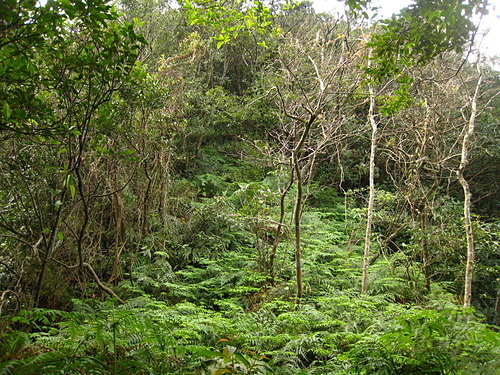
x,y
248,187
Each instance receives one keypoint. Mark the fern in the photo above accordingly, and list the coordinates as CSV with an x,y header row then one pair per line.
x,y
11,343
9,367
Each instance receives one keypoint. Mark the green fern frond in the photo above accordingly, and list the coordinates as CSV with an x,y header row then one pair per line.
x,y
9,367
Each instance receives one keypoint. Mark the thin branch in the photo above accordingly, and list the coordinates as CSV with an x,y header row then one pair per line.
x,y
101,285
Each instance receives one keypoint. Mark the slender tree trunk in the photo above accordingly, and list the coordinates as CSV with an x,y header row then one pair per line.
x,y
496,316
49,249
297,210
281,224
464,160
425,248
469,268
423,213
50,244
371,199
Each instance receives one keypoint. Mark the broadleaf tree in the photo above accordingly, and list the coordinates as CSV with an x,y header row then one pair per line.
x,y
59,63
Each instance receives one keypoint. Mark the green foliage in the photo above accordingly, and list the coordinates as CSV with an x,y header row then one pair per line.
x,y
420,33
255,198
34,51
398,278
167,179
12,343
229,361
416,36
401,97
486,282
210,185
60,62
228,20
206,231
340,333
428,342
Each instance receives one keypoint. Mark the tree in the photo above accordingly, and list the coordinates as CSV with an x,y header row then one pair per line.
x,y
314,83
60,63
464,160
415,37
369,215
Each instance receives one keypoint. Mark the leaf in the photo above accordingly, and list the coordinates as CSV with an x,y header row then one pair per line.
x,y
9,367
72,190
21,319
242,359
6,110
228,351
68,180
208,353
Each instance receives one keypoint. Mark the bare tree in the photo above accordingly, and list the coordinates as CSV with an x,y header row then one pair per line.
x,y
371,198
316,82
464,161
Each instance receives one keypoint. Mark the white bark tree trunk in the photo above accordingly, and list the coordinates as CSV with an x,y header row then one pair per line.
x,y
464,161
371,199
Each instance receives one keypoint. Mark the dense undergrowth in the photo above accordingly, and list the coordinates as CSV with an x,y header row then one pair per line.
x,y
338,334
219,313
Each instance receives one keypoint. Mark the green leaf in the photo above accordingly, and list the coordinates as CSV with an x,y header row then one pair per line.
x,y
208,353
68,180
242,359
72,190
6,110
228,351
